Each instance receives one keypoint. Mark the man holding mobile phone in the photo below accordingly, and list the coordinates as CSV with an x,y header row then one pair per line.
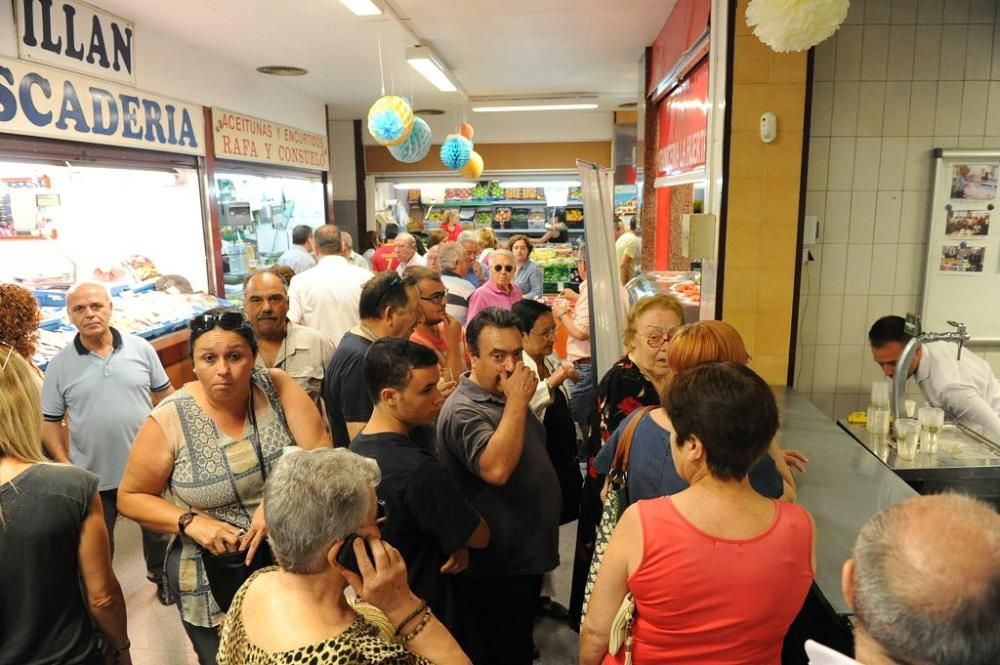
x,y
425,514
495,446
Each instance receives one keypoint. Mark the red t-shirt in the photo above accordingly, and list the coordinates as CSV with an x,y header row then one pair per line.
x,y
385,258
452,231
439,344
701,599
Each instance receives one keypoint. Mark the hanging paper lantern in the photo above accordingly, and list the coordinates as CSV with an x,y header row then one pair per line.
x,y
795,25
473,168
455,151
390,120
417,144
466,130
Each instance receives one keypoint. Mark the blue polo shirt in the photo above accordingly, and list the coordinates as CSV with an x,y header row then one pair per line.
x,y
105,401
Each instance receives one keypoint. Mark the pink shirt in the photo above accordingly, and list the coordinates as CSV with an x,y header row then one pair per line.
x,y
488,295
702,599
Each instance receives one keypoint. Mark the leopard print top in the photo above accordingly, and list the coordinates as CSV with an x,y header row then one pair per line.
x,y
360,644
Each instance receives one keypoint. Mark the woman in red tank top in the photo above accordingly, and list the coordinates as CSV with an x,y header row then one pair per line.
x,y
718,572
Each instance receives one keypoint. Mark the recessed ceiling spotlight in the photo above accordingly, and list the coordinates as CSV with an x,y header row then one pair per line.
x,y
362,7
428,112
282,70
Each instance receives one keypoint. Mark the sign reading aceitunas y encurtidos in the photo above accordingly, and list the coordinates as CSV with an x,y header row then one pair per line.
x,y
248,139
76,36
38,101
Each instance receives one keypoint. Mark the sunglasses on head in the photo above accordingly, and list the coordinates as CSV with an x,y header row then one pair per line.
x,y
503,268
225,320
10,352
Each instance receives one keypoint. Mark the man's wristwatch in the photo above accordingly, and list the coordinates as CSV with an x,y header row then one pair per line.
x,y
183,521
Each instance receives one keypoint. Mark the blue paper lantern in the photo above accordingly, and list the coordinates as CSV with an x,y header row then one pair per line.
x,y
390,120
416,146
456,151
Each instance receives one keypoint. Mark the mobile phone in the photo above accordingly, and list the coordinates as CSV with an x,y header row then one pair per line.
x,y
346,556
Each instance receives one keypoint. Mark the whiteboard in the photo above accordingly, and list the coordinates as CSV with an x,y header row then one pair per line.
x,y
962,273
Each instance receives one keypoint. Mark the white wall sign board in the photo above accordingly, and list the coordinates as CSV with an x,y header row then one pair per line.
x,y
962,275
38,101
249,139
77,36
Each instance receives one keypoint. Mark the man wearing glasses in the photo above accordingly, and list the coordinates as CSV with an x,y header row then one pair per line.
x,y
300,351
389,307
500,291
104,385
427,517
438,331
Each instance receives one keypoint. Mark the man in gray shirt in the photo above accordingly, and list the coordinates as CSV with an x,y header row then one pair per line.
x,y
494,445
299,257
104,384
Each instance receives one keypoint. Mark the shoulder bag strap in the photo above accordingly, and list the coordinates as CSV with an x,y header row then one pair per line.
x,y
255,440
619,464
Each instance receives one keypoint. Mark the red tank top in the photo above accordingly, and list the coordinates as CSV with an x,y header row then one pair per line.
x,y
707,600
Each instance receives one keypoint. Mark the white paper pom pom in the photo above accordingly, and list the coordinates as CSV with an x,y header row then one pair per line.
x,y
795,25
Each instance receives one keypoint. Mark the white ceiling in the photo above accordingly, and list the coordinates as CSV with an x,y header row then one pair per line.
x,y
494,47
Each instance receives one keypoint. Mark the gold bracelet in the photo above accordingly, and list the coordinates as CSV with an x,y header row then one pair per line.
x,y
420,626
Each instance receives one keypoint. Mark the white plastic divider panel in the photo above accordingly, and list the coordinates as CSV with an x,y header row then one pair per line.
x,y
962,272
603,277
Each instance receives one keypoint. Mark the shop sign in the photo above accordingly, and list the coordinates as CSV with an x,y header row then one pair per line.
x,y
684,126
250,139
38,101
77,36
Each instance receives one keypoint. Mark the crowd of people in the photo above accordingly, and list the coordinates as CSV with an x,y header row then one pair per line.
x,y
383,457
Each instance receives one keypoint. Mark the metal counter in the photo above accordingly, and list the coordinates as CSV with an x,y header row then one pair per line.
x,y
843,487
961,455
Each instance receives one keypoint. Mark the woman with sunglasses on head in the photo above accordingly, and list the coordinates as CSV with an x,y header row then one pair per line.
x,y
59,592
500,291
651,471
211,444
297,612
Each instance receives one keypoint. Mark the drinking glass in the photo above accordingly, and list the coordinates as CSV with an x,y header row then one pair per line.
x,y
880,393
878,421
931,421
907,438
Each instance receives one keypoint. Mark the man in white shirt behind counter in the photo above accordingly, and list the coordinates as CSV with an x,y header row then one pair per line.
x,y
966,389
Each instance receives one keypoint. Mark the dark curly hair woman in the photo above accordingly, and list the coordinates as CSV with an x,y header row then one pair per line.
x,y
19,323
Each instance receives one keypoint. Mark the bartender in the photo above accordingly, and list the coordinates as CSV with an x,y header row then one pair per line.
x,y
965,388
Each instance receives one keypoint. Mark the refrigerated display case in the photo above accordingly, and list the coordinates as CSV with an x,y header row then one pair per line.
x,y
685,285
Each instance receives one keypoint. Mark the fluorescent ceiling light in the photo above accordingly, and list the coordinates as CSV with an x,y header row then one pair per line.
x,y
539,183
534,107
430,67
433,185
362,7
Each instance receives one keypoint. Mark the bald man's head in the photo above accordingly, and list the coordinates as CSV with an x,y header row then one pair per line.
x,y
925,581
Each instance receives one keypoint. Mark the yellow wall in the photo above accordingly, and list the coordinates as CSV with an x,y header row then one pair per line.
x,y
763,199
499,157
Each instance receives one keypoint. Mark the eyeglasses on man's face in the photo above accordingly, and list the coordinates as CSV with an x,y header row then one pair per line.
x,y
548,333
436,298
504,268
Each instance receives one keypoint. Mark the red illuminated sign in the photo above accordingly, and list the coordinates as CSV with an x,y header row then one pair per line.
x,y
683,125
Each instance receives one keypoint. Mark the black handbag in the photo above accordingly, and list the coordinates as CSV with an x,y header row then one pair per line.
x,y
227,572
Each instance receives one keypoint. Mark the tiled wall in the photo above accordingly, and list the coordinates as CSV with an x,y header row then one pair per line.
x,y
899,78
763,203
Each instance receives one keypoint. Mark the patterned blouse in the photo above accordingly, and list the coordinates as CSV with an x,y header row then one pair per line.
x,y
623,389
361,644
217,475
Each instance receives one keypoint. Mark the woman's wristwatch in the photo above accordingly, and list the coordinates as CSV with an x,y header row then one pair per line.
x,y
183,521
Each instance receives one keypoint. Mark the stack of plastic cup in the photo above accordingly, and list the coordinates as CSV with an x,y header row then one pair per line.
x,y
931,421
907,438
878,412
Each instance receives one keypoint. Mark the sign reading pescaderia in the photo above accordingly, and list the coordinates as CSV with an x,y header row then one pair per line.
x,y
38,101
250,139
77,36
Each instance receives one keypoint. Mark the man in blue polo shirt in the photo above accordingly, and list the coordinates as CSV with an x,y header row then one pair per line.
x,y
104,384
